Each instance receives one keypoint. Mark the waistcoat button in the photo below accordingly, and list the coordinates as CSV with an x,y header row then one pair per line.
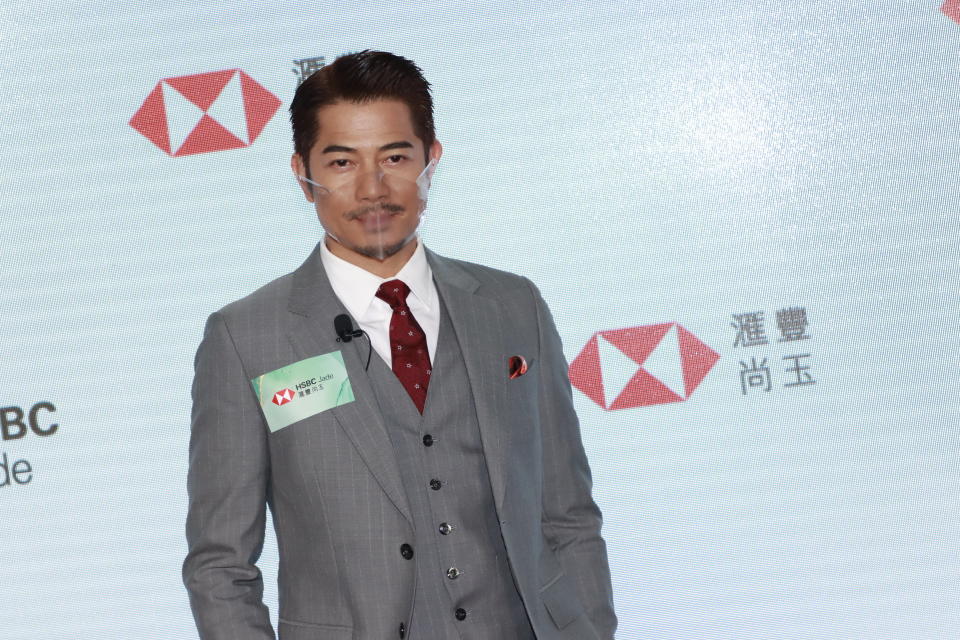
x,y
453,573
406,551
460,614
428,440
435,484
445,528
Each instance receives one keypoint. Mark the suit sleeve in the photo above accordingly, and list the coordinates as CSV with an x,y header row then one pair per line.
x,y
571,519
227,485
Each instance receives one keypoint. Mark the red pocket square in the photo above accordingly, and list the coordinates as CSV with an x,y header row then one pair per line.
x,y
517,366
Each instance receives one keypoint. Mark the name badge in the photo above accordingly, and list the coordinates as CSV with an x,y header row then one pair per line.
x,y
303,389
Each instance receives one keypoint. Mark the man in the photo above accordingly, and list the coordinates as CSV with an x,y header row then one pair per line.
x,y
435,489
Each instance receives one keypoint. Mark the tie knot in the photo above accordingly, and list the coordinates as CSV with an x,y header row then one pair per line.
x,y
394,293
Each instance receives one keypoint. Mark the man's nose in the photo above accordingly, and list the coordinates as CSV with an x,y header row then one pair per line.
x,y
371,185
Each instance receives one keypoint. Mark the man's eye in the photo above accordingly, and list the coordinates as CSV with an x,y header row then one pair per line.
x,y
396,158
340,163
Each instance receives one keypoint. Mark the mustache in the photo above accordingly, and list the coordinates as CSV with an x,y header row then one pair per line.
x,y
388,207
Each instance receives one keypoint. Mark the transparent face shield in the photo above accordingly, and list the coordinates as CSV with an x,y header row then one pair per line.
x,y
372,212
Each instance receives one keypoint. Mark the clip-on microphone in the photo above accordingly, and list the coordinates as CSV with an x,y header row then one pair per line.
x,y
344,328
343,325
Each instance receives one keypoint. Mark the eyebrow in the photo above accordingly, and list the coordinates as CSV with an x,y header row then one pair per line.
x,y
339,148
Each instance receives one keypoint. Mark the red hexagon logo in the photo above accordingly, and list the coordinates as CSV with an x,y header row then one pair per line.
x,y
640,366
205,112
283,396
951,9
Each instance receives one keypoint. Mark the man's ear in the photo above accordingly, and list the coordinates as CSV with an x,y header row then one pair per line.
x,y
436,150
300,169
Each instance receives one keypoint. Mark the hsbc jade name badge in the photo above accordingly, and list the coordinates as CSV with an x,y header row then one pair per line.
x,y
303,389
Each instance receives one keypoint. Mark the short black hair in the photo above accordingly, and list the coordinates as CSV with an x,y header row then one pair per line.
x,y
361,77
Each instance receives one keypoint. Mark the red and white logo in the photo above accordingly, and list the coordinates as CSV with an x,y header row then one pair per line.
x,y
283,396
640,366
951,9
205,112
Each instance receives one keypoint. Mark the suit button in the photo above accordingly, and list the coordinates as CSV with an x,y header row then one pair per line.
x,y
453,573
428,440
403,630
445,528
406,551
460,614
435,484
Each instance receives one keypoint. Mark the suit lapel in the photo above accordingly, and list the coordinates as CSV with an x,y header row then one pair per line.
x,y
478,323
314,305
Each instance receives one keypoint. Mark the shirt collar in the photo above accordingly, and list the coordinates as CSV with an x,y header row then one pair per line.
x,y
357,288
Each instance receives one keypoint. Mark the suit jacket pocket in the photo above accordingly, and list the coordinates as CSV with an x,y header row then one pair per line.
x,y
560,598
295,630
522,391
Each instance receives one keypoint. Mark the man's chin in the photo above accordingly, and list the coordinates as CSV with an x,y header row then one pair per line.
x,y
382,252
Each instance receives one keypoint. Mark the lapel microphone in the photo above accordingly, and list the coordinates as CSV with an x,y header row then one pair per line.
x,y
343,325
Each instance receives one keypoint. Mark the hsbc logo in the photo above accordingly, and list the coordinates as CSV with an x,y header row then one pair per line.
x,y
205,112
951,9
641,366
283,396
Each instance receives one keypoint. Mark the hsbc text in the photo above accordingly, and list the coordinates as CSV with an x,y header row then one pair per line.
x,y
16,423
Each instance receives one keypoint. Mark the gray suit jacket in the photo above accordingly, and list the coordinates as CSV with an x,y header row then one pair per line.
x,y
334,488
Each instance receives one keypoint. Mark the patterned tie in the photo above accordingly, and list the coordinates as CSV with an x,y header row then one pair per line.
x,y
408,344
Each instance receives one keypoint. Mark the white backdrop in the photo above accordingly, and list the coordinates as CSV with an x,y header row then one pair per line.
x,y
677,162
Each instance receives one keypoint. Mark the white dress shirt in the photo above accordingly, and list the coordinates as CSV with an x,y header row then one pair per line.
x,y
357,290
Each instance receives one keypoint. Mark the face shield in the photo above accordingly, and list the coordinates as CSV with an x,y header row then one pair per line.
x,y
374,212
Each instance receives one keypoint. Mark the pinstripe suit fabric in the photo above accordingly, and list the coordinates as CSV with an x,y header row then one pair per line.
x,y
463,500
335,486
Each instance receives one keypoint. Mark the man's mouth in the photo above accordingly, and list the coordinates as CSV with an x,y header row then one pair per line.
x,y
375,219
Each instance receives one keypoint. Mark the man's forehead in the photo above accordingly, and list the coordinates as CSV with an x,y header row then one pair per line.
x,y
365,124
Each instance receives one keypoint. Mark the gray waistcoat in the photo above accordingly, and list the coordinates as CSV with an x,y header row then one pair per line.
x,y
448,489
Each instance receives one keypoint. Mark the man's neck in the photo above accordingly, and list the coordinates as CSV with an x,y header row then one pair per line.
x,y
386,268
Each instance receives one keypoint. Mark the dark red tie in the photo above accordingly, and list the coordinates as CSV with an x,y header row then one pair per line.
x,y
408,344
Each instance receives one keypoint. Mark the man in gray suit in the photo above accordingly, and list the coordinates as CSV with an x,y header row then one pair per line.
x,y
436,489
